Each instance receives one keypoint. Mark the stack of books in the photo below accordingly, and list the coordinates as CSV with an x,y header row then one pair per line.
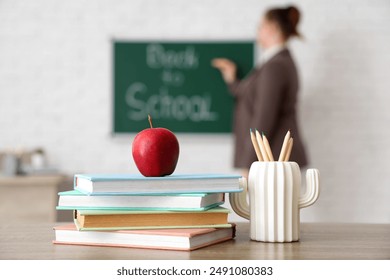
x,y
179,212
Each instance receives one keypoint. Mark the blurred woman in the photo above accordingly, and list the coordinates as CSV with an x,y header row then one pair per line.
x,y
266,99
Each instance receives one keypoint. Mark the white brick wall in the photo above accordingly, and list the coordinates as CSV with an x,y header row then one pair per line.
x,y
55,88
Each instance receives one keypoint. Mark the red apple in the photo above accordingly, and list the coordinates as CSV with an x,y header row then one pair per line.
x,y
155,151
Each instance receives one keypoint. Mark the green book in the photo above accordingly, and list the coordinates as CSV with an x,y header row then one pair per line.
x,y
74,199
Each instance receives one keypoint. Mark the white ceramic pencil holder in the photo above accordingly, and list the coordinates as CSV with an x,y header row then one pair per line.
x,y
275,200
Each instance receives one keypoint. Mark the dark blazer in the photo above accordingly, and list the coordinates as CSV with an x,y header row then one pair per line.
x,y
266,100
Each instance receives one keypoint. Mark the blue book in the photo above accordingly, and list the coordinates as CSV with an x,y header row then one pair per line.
x,y
138,184
74,199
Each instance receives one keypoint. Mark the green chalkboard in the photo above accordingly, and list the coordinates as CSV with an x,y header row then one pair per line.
x,y
175,83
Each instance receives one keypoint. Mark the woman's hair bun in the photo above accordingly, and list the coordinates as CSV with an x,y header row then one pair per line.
x,y
293,15
287,18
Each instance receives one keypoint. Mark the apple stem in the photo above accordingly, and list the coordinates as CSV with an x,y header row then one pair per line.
x,y
150,121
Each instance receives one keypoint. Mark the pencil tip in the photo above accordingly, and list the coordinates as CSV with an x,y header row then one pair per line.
x,y
250,130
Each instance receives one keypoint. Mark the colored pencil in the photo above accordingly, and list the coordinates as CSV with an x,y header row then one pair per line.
x,y
256,145
289,148
283,151
268,148
262,147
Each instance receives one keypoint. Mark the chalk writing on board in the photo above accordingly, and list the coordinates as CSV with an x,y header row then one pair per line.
x,y
158,57
162,105
172,78
195,107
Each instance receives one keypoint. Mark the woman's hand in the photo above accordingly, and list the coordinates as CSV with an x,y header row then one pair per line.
x,y
227,67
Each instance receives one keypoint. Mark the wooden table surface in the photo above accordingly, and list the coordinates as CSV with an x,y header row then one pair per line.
x,y
318,241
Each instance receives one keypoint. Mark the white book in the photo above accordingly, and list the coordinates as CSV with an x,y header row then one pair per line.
x,y
138,184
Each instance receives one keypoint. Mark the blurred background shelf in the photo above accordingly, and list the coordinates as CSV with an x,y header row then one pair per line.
x,y
33,198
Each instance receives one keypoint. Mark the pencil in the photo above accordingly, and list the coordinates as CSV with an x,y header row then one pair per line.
x,y
289,149
283,151
262,147
255,145
267,148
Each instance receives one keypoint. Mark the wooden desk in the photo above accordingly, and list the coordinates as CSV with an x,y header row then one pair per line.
x,y
318,241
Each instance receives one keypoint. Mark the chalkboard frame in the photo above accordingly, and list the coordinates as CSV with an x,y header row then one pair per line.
x,y
115,41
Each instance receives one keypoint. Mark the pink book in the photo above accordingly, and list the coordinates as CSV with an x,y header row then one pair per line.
x,y
164,239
